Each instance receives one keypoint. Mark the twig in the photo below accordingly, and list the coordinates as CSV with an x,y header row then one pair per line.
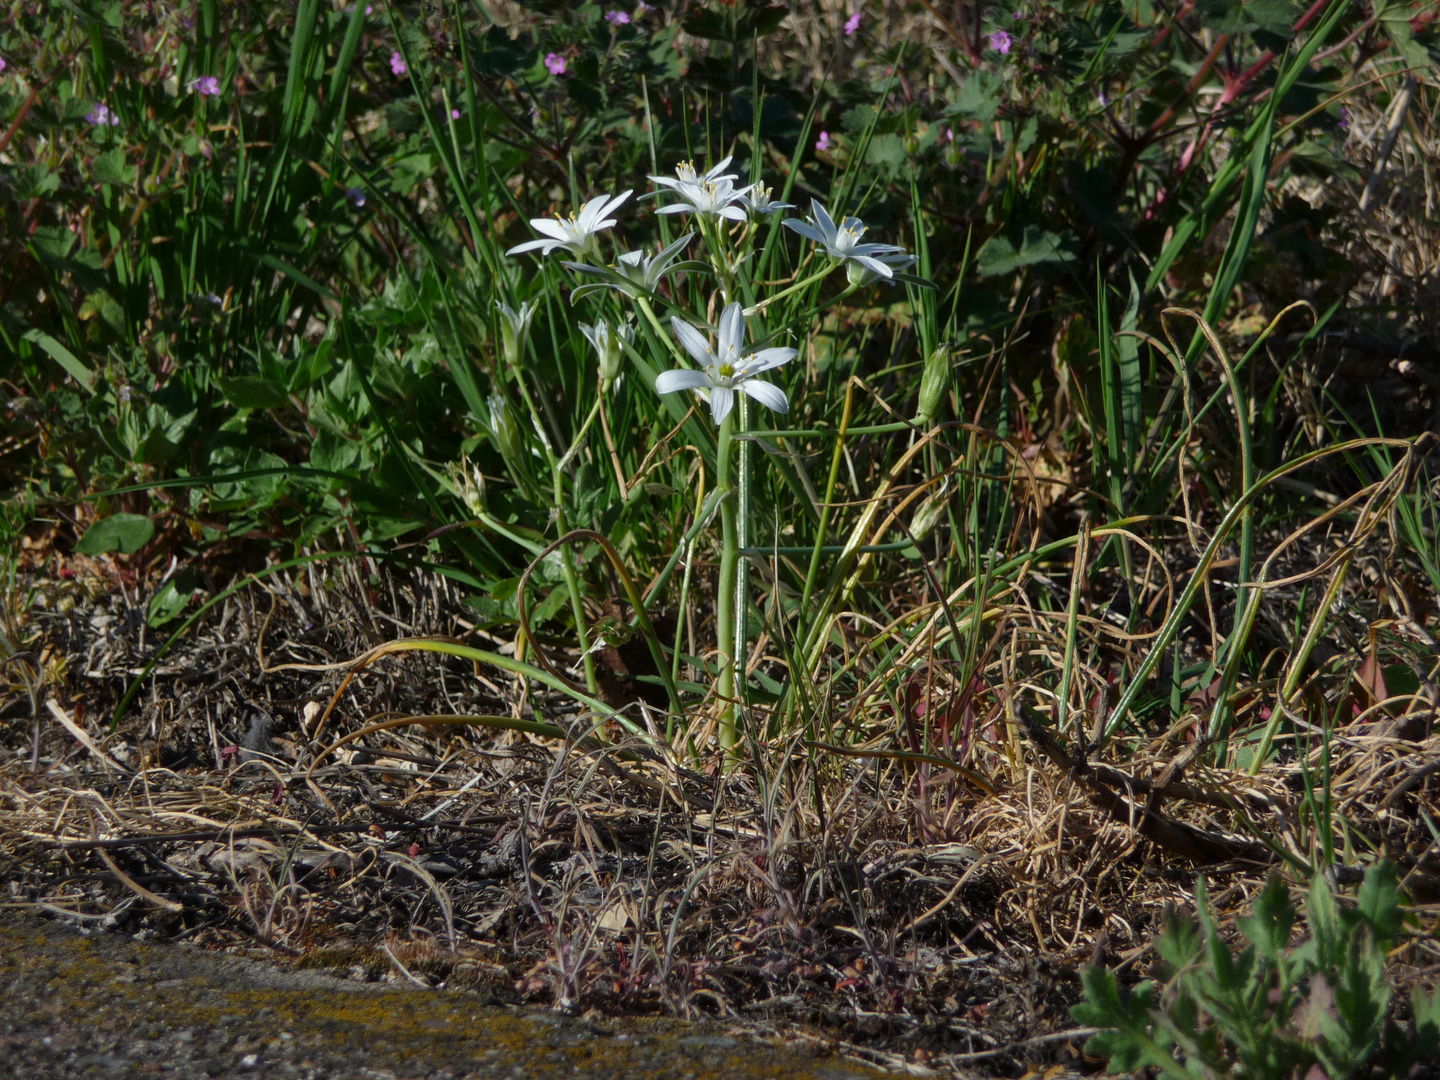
x,y
83,737
1387,145
1038,1040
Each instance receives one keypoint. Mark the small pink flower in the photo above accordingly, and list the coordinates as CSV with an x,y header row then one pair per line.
x,y
555,64
397,63
101,116
852,24
369,9
454,114
206,86
3,65
949,134
823,143
1000,42
617,18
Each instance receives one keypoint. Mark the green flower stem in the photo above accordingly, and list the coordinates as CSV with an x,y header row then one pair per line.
x,y
669,339
743,540
725,592
580,435
821,533
567,559
714,234
804,283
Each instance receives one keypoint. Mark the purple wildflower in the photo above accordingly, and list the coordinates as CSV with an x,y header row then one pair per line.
x,y
101,116
852,24
617,18
397,63
823,143
641,9
356,195
206,86
3,65
1344,122
555,64
1000,42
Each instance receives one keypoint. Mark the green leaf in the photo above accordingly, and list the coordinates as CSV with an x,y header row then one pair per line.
x,y
172,597
1378,903
1268,929
253,392
1038,247
64,357
1179,943
125,533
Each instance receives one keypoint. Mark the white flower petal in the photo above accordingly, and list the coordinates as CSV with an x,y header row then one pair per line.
x,y
531,245
875,266
668,382
766,359
694,342
822,219
558,230
722,400
734,213
806,230
732,328
772,397
876,249
678,208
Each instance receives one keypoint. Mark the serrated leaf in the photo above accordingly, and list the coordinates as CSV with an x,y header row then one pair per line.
x,y
1378,903
1268,927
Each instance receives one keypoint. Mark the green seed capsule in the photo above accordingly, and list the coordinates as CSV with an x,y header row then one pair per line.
x,y
934,382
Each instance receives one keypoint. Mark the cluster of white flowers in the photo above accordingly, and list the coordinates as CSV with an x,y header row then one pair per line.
x,y
726,367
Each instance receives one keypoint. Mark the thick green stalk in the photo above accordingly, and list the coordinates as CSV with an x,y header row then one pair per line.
x,y
725,590
743,540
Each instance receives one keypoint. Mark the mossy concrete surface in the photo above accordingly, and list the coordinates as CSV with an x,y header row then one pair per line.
x,y
95,1004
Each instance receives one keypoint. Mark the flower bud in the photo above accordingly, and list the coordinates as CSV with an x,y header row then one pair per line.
x,y
609,348
515,331
504,431
929,514
934,381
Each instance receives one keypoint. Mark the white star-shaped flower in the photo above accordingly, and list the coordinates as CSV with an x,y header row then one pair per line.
x,y
843,241
633,273
575,233
761,200
712,193
726,367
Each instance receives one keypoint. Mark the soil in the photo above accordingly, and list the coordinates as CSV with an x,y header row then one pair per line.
x,y
92,1003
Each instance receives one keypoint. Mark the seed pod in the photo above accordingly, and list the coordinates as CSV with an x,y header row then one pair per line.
x,y
934,381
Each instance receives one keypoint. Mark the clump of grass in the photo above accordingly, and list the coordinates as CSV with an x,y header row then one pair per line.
x,y
1069,488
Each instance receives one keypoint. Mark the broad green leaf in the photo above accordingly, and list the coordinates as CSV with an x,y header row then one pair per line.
x,y
253,392
125,533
